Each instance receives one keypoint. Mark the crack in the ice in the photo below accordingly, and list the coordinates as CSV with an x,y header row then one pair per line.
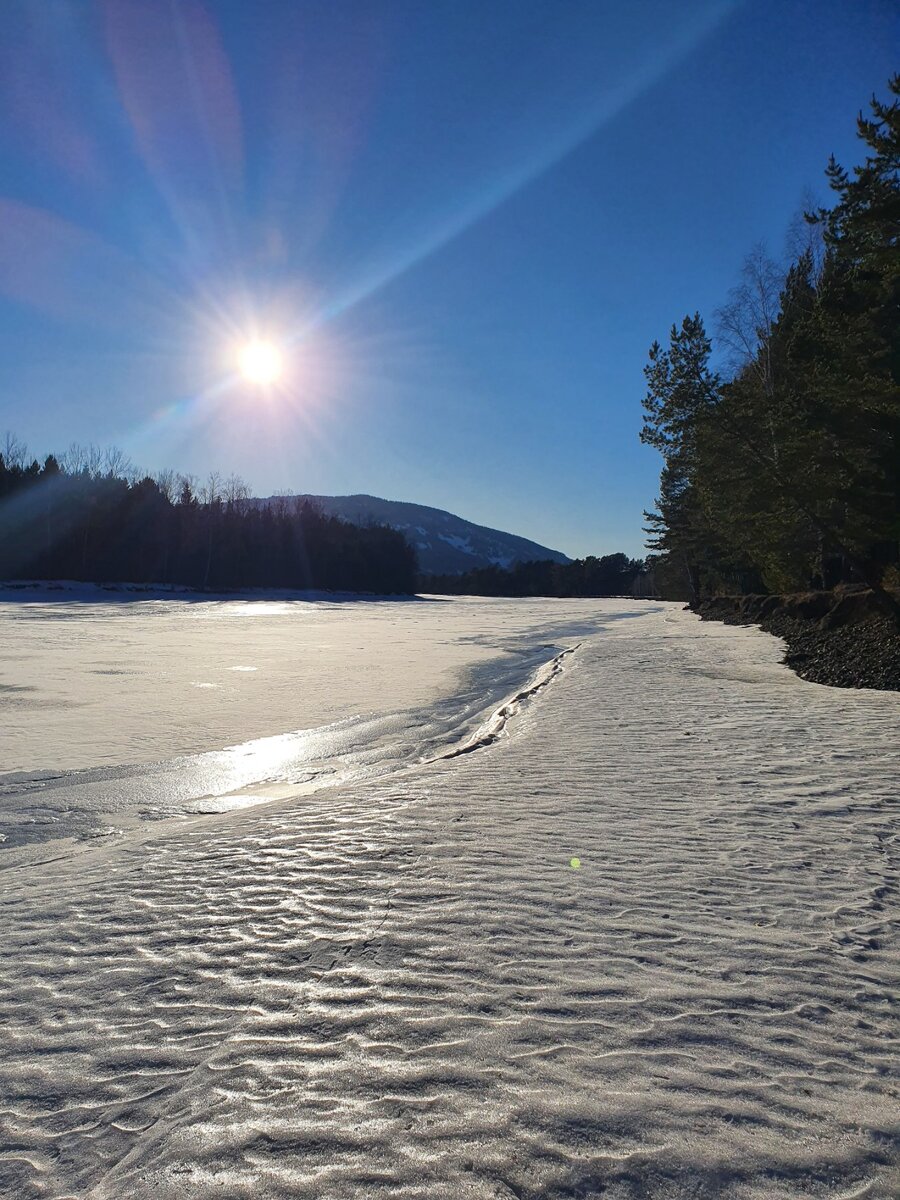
x,y
494,727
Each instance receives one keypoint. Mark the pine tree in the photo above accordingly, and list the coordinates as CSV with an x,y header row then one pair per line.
x,y
682,393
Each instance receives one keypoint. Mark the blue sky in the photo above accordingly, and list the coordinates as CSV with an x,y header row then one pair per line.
x,y
465,223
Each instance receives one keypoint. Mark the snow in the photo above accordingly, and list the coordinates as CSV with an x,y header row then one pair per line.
x,y
401,986
102,679
115,711
458,543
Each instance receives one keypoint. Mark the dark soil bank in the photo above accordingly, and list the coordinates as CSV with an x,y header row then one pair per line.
x,y
842,639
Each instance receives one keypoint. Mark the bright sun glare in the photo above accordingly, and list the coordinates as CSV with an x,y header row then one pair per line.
x,y
260,362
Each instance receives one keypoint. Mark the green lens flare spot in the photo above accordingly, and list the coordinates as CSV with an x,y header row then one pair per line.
x,y
574,863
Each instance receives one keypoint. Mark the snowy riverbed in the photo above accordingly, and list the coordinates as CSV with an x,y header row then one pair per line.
x,y
640,944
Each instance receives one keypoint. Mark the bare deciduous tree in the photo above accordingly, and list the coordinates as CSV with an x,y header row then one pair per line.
x,y
93,461
167,482
806,235
15,452
234,489
211,490
745,323
116,463
73,459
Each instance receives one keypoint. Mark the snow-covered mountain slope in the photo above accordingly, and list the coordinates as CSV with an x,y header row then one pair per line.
x,y
445,544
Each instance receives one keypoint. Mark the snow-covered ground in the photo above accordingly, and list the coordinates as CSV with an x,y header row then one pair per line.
x,y
640,944
89,678
119,708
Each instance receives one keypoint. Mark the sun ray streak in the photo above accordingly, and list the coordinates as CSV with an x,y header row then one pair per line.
x,y
500,191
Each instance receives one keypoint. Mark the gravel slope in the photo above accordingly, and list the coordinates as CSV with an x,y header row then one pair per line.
x,y
824,643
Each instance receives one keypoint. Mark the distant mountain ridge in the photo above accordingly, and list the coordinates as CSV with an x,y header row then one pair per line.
x,y
446,544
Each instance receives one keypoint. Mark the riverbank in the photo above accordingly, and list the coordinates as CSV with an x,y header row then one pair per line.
x,y
841,639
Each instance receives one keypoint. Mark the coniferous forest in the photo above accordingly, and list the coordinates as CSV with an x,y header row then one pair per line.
x,y
611,575
782,465
87,516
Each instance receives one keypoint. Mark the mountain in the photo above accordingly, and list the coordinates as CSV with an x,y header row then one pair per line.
x,y
446,544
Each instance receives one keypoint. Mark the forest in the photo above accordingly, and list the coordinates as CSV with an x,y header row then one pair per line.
x,y
611,575
89,516
781,456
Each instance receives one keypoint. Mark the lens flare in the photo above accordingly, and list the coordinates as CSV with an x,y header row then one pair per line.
x,y
260,363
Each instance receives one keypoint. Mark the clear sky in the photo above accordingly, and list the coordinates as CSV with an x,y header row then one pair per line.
x,y
464,223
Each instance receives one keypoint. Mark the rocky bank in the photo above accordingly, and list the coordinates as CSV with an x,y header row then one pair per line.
x,y
841,638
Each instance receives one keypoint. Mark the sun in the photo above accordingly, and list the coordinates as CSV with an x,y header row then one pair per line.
x,y
260,362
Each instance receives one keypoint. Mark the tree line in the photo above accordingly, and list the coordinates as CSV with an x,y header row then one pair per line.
x,y
88,516
781,465
611,575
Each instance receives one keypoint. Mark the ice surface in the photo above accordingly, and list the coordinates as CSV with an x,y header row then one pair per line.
x,y
403,988
116,711
87,683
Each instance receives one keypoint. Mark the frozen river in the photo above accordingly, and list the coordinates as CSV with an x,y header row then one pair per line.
x,y
117,709
642,942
